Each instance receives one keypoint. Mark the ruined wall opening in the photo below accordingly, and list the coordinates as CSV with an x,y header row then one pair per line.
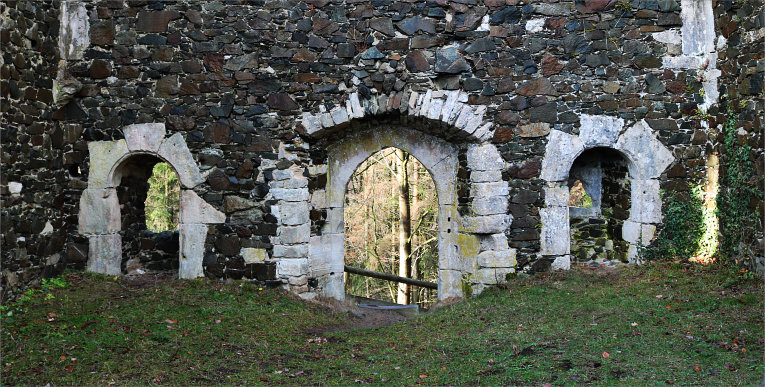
x,y
599,204
391,226
149,195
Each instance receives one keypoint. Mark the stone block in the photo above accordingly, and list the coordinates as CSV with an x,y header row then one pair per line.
x,y
488,224
192,250
319,198
291,251
333,286
493,242
491,205
327,254
698,31
561,151
14,188
646,202
638,233
312,124
504,258
295,267
449,284
290,195
74,33
194,210
105,254
293,235
634,255
556,195
648,156
562,262
99,212
294,213
174,151
597,131
489,276
253,255
486,176
483,190
456,251
555,239
144,137
484,133
682,62
448,218
232,203
104,156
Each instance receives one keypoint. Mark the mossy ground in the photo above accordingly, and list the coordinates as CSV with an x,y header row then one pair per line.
x,y
656,324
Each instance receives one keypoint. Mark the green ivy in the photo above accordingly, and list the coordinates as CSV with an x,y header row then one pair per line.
x,y
684,227
737,191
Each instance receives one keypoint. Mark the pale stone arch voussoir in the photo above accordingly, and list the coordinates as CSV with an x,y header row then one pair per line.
x,y
99,216
646,159
447,106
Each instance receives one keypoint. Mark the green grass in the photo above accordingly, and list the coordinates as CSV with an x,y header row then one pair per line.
x,y
651,325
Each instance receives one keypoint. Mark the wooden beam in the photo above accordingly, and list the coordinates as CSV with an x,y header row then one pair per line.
x,y
390,277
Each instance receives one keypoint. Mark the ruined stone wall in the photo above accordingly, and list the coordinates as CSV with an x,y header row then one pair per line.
x,y
234,79
741,24
38,212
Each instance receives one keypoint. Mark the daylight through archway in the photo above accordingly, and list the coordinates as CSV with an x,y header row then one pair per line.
x,y
391,226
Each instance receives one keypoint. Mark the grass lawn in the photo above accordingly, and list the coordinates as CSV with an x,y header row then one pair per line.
x,y
651,325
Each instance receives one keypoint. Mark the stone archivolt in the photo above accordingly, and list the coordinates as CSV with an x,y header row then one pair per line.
x,y
450,107
99,216
647,158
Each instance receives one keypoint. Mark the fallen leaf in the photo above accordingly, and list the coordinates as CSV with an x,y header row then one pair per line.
x,y
167,321
696,368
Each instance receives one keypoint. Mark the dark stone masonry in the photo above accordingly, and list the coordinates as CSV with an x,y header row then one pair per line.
x,y
263,108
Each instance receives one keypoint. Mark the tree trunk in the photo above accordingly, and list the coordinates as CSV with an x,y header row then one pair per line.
x,y
404,226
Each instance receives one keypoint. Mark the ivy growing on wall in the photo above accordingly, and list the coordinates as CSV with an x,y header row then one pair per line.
x,y
684,226
737,191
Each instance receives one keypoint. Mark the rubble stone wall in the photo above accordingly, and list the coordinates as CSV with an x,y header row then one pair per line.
x,y
259,90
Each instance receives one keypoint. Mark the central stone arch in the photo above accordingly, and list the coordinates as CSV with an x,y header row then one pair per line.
x,y
473,248
439,157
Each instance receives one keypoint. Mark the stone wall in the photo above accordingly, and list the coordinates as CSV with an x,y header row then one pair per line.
x,y
741,25
259,90
38,211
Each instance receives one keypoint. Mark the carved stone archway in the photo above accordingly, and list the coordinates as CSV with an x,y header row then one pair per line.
x,y
99,216
473,248
646,159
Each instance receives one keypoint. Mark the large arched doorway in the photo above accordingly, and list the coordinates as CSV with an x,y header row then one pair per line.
x,y
391,227
438,157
